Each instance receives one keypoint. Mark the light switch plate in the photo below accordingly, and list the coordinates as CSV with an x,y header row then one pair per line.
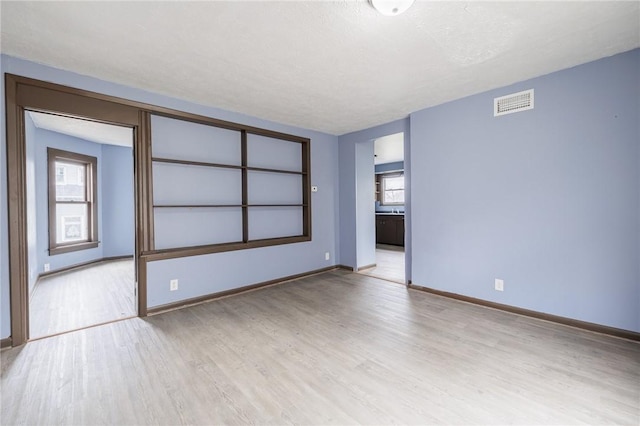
x,y
314,188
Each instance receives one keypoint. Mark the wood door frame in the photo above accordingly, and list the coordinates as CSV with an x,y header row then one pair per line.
x,y
23,94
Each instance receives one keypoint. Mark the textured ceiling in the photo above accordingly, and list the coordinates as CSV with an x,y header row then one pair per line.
x,y
84,129
336,67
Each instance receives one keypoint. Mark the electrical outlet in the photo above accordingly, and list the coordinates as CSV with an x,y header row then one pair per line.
x,y
327,256
47,267
173,285
499,285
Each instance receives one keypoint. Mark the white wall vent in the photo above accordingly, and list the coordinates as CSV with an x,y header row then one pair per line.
x,y
515,102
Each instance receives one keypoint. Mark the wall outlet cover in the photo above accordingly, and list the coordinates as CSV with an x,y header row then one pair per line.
x,y
499,284
173,285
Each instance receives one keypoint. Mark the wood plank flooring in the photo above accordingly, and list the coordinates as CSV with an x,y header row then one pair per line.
x,y
389,263
335,348
82,297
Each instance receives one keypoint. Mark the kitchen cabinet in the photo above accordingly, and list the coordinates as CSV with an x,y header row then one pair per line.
x,y
390,229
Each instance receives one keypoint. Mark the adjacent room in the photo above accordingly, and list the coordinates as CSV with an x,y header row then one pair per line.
x,y
389,205
320,212
80,216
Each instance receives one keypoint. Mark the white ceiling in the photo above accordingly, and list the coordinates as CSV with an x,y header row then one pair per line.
x,y
389,149
84,129
333,66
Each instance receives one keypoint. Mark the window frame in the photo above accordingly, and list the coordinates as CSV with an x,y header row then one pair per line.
x,y
383,178
91,200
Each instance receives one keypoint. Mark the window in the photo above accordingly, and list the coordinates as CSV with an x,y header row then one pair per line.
x,y
73,207
392,189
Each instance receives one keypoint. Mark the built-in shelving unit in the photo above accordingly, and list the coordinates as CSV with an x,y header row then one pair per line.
x,y
220,188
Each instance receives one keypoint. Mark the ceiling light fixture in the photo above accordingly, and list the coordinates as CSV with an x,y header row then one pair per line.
x,y
391,7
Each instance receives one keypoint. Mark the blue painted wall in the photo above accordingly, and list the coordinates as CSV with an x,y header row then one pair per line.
x,y
118,209
389,167
546,199
365,204
32,223
210,273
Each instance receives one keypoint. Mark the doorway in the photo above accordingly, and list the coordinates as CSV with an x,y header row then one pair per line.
x,y
389,201
27,94
81,222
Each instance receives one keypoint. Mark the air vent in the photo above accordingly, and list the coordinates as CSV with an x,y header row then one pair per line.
x,y
515,102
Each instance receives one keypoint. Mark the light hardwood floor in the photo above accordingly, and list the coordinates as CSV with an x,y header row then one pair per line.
x,y
335,348
83,297
389,263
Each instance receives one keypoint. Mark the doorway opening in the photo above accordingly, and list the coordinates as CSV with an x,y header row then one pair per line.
x,y
389,201
80,222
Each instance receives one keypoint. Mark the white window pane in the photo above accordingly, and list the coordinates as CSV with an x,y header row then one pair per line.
x,y
60,174
70,181
396,182
72,224
394,197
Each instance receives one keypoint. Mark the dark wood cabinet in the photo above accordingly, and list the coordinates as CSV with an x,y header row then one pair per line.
x,y
390,229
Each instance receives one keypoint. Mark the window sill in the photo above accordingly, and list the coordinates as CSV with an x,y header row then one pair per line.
x,y
73,247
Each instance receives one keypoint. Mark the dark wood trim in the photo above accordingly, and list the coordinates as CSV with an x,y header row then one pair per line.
x,y
17,214
584,325
245,187
73,247
36,95
222,166
195,206
209,297
345,267
5,343
136,106
277,205
362,268
83,265
183,206
194,163
263,169
143,177
306,188
141,266
174,253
